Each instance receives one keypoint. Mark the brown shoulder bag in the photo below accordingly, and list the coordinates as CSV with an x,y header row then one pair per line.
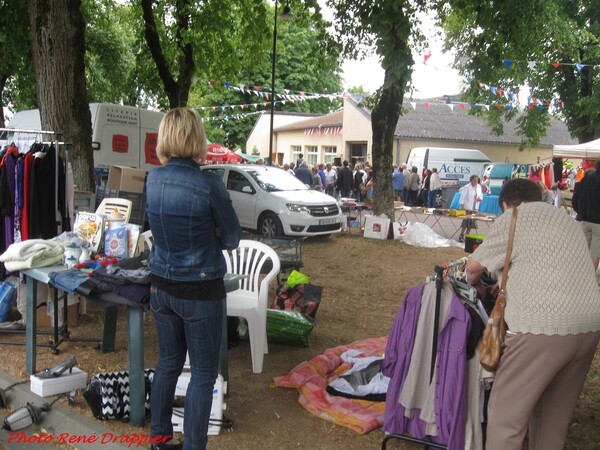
x,y
490,347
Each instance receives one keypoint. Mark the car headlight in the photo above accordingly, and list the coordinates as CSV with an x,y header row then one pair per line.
x,y
293,207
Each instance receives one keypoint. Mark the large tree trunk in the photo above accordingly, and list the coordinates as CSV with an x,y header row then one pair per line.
x,y
57,34
385,114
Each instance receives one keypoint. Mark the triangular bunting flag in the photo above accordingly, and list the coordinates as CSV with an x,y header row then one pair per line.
x,y
500,93
556,65
508,63
579,67
426,57
498,107
227,85
531,65
414,105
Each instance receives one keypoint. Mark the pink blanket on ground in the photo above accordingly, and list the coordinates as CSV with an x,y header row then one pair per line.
x,y
312,377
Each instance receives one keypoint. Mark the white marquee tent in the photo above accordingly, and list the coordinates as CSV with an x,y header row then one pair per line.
x,y
588,150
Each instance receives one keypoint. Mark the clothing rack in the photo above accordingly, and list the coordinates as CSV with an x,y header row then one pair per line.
x,y
56,142
439,283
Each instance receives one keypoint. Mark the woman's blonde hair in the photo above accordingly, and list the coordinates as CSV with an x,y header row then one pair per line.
x,y
181,135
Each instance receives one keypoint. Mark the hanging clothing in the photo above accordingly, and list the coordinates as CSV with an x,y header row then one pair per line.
x,y
449,385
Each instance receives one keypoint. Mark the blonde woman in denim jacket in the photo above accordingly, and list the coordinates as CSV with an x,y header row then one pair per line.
x,y
192,221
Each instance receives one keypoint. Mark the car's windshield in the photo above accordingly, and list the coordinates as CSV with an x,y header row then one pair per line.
x,y
274,179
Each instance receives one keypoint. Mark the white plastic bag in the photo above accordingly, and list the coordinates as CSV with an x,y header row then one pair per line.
x,y
421,235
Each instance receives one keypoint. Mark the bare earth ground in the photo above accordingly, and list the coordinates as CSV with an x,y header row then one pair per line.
x,y
364,281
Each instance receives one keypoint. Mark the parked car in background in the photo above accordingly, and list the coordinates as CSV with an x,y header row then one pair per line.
x,y
273,203
495,174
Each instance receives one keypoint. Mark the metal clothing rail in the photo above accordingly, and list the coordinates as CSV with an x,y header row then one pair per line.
x,y
439,283
56,142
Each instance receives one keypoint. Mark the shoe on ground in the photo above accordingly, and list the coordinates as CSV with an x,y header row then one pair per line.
x,y
171,445
461,238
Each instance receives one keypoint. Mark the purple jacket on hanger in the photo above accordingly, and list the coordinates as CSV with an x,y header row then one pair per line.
x,y
451,372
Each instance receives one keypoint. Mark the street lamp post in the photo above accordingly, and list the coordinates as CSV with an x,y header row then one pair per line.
x,y
285,15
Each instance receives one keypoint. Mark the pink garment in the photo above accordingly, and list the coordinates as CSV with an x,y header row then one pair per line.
x,y
312,377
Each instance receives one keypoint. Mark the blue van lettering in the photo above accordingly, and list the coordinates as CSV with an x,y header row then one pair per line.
x,y
455,169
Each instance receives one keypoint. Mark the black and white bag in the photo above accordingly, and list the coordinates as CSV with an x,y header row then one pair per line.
x,y
107,394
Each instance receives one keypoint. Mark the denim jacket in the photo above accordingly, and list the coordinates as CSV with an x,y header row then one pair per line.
x,y
185,207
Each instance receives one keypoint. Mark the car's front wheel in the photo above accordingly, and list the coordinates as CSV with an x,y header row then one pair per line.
x,y
270,226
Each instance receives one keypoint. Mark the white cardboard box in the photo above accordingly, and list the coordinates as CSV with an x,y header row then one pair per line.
x,y
216,412
67,382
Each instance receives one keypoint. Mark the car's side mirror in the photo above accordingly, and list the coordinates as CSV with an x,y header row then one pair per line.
x,y
248,190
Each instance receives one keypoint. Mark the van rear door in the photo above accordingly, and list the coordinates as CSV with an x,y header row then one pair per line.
x,y
116,137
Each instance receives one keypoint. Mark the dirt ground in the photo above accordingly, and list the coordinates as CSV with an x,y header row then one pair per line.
x,y
364,282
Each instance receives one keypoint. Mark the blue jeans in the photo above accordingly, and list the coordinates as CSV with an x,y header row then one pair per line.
x,y
185,326
432,197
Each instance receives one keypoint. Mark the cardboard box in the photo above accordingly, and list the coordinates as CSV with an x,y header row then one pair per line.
x,y
126,179
45,313
68,381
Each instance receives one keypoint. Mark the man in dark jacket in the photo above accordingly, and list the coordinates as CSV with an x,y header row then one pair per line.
x,y
303,174
586,201
344,181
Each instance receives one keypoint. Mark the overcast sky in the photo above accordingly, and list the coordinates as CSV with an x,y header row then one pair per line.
x,y
432,79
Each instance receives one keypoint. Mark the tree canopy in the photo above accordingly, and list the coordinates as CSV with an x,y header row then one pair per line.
x,y
551,46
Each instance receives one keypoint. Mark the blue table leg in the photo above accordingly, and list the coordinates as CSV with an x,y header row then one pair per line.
x,y
137,384
30,318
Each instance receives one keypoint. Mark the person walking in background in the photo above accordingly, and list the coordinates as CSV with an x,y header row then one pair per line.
x,y
317,184
321,170
192,221
344,181
398,182
547,195
304,174
435,188
300,160
586,202
425,190
405,191
330,179
358,183
553,317
291,170
470,197
413,186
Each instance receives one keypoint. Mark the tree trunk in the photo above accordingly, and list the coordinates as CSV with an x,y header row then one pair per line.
x,y
2,84
384,118
58,44
178,90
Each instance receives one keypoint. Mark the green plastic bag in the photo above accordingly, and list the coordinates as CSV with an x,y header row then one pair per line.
x,y
288,328
295,278
284,328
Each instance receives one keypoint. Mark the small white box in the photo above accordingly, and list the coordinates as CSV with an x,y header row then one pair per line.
x,y
67,382
216,412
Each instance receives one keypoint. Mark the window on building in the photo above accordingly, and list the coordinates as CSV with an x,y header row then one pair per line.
x,y
329,152
296,150
312,155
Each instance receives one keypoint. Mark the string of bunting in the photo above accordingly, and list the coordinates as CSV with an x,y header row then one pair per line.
x,y
513,99
508,63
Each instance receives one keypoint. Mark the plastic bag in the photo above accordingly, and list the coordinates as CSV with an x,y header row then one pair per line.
x,y
420,235
288,328
8,289
295,278
304,298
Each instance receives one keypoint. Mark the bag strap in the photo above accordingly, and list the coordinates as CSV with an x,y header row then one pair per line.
x,y
511,237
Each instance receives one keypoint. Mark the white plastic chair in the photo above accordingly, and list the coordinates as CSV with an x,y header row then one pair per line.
x,y
115,206
144,242
251,299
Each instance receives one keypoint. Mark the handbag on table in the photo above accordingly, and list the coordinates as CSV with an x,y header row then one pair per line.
x,y
490,347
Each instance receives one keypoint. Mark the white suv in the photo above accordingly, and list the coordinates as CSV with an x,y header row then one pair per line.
x,y
275,203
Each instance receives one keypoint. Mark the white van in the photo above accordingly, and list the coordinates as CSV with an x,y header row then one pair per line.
x,y
121,135
455,165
